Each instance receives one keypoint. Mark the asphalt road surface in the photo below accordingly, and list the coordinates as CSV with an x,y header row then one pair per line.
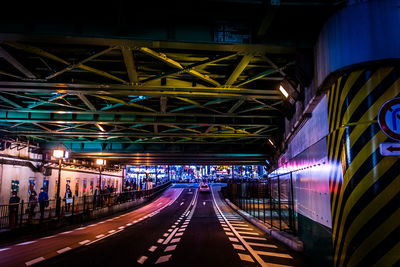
x,y
183,227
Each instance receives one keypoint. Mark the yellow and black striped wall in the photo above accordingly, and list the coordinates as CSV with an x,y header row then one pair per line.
x,y
364,185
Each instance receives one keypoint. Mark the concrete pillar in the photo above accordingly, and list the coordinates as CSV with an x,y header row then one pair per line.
x,y
356,65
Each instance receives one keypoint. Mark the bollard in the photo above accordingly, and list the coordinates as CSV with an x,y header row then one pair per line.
x,y
62,212
50,214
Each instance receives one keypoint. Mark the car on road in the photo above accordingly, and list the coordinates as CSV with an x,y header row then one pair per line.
x,y
204,188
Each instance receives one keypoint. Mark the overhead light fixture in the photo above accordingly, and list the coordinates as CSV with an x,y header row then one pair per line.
x,y
272,143
100,128
283,91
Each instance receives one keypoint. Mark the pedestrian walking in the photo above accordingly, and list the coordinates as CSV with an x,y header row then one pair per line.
x,y
43,202
32,205
13,209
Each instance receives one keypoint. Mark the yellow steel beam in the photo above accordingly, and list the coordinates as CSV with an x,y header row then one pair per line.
x,y
41,52
173,63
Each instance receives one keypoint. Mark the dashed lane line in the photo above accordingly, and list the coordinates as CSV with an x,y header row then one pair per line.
x,y
170,236
84,242
152,248
239,247
142,259
34,261
245,257
164,259
262,245
170,248
252,252
63,250
99,236
26,243
255,238
274,254
247,233
3,249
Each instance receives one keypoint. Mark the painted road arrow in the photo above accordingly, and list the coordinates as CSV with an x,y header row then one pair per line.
x,y
389,149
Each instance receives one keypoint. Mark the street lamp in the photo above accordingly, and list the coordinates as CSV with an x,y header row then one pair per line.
x,y
59,154
101,163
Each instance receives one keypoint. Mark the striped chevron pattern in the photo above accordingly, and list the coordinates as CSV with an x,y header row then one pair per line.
x,y
364,186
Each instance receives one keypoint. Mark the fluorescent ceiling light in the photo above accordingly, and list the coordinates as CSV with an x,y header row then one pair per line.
x,y
284,92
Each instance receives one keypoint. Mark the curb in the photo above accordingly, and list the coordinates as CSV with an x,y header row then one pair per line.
x,y
288,239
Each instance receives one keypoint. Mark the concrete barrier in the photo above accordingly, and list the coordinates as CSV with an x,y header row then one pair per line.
x,y
290,240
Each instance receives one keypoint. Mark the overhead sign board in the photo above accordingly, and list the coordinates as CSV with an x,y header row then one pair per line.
x,y
389,118
389,149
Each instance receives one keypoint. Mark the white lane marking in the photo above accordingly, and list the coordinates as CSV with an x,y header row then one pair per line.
x,y
245,257
255,238
128,224
229,233
163,259
47,237
247,233
103,236
170,248
101,222
152,248
173,226
181,230
227,229
170,230
159,241
252,252
182,203
26,243
92,225
274,254
63,250
67,232
31,262
262,245
121,227
233,239
142,259
81,228
165,235
179,234
176,223
84,242
175,240
239,247
159,204
109,220
204,203
111,231
240,228
98,236
170,237
3,249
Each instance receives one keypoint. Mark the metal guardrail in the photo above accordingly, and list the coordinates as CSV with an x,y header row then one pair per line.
x,y
271,201
22,214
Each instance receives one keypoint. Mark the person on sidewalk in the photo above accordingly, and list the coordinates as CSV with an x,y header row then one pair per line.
x,y
68,199
43,202
32,205
13,209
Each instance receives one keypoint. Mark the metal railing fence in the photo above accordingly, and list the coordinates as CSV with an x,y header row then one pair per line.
x,y
270,200
18,215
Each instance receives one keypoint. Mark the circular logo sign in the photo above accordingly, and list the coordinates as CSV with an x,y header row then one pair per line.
x,y
389,118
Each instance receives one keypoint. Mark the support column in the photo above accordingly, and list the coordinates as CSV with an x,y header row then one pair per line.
x,y
364,185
